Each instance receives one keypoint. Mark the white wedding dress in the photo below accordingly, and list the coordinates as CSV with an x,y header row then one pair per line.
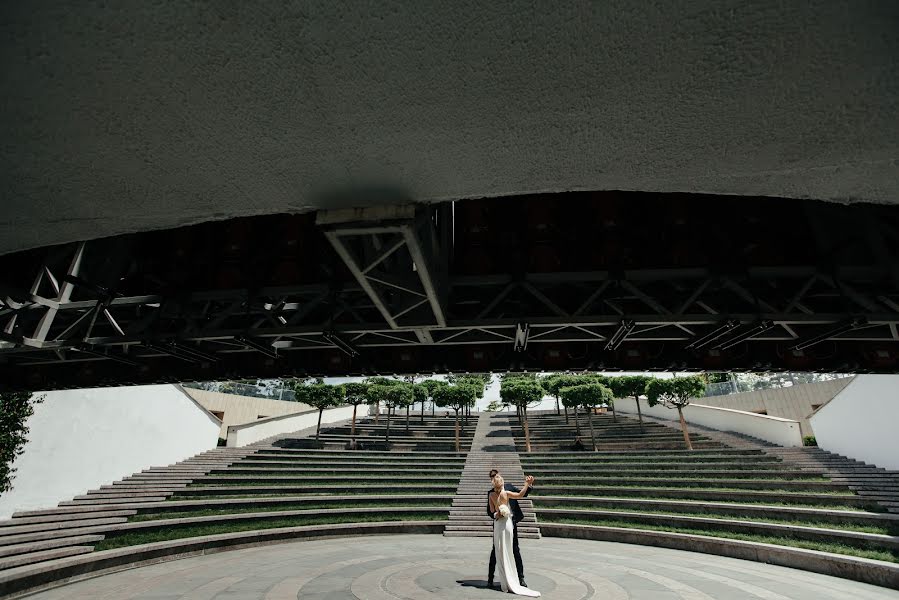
x,y
506,571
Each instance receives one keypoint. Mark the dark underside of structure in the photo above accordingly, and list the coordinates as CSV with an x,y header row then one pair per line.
x,y
611,280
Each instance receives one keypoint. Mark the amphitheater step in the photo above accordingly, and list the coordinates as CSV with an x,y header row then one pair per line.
x,y
492,447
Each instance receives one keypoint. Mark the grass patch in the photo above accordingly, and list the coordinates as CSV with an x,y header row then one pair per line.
x,y
777,520
176,533
301,482
710,488
336,492
633,475
885,555
209,512
752,502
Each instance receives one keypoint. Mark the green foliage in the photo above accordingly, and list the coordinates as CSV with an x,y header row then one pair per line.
x,y
494,406
809,440
15,408
399,395
383,381
475,382
675,392
420,392
512,376
355,393
376,393
455,397
521,392
322,395
629,385
433,385
717,377
586,395
555,382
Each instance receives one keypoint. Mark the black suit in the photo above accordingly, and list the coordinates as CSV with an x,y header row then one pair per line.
x,y
517,516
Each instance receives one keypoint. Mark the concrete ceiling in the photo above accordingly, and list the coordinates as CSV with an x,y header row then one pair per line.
x,y
119,120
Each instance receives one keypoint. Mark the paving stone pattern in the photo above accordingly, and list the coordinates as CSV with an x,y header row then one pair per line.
x,y
430,567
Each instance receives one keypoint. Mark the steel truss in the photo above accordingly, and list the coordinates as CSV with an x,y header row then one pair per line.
x,y
392,302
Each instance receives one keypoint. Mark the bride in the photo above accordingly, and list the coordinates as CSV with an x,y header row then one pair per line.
x,y
502,537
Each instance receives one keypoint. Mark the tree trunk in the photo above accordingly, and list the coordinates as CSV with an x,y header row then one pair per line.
x,y
527,435
559,412
407,419
319,426
433,407
457,430
614,416
577,421
377,412
683,426
422,412
590,420
353,426
387,434
639,414
566,414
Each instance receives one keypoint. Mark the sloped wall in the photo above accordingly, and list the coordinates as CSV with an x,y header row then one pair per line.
x,y
81,439
860,422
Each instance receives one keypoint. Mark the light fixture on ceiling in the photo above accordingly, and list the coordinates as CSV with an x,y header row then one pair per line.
x,y
713,335
761,327
87,349
624,328
840,328
522,330
263,348
340,344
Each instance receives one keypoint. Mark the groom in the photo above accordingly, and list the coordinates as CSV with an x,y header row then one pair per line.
x,y
517,516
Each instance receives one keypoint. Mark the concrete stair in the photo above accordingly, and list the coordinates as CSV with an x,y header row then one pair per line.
x,y
492,447
31,537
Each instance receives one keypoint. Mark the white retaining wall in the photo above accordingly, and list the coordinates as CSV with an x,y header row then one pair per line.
x,y
783,432
82,439
250,433
860,422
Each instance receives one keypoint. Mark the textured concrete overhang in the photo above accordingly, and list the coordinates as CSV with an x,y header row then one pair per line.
x,y
163,114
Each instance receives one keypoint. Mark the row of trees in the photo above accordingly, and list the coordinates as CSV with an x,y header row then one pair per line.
x,y
458,393
587,392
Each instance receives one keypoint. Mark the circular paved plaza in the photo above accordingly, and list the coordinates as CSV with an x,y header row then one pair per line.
x,y
430,567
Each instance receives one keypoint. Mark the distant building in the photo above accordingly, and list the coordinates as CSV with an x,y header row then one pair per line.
x,y
232,409
797,402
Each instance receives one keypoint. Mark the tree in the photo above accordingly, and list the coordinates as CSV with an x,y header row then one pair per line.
x,y
355,395
507,379
604,380
477,383
522,392
556,382
548,384
379,392
320,396
15,408
432,385
630,385
373,401
376,394
420,392
456,397
676,393
403,397
588,396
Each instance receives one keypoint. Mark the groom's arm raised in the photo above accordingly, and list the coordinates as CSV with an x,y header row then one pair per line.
x,y
529,481
516,494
